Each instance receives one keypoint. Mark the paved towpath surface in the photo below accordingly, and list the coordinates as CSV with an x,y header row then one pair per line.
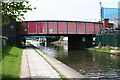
x,y
24,74
34,66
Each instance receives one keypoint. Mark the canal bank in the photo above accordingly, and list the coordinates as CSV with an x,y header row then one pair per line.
x,y
61,68
88,63
63,41
108,50
60,43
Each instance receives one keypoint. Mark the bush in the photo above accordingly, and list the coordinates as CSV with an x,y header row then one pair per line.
x,y
100,44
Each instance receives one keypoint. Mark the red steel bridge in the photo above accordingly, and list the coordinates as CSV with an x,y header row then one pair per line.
x,y
50,27
80,34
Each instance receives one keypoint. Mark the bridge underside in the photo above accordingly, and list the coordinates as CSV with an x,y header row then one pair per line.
x,y
67,35
75,41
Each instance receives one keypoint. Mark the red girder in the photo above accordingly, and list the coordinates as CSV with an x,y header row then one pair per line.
x,y
61,27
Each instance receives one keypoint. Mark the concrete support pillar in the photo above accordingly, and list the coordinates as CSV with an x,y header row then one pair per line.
x,y
89,41
45,42
75,42
48,40
80,42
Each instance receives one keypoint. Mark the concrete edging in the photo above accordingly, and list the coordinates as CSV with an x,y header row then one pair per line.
x,y
113,52
24,70
62,68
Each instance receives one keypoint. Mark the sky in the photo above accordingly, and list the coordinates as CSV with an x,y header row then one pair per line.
x,y
73,10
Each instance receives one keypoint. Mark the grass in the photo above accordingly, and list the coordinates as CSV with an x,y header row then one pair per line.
x,y
11,60
103,49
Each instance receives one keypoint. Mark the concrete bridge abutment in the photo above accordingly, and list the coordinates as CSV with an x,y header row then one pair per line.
x,y
80,42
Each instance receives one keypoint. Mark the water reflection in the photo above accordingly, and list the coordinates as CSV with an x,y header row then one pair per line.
x,y
94,64
90,64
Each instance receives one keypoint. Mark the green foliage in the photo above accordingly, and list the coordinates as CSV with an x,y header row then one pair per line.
x,y
54,37
11,60
61,38
33,38
15,9
102,49
100,44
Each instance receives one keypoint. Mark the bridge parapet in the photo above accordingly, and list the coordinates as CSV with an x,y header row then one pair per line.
x,y
61,27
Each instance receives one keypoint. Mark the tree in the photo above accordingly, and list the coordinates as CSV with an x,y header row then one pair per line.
x,y
15,10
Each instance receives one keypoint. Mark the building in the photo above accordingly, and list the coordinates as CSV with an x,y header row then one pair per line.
x,y
9,30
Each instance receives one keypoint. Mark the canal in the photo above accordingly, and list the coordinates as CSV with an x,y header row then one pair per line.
x,y
89,63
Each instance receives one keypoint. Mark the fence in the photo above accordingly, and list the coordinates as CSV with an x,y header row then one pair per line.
x,y
108,39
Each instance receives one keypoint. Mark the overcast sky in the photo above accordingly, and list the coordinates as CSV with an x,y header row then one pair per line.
x,y
68,9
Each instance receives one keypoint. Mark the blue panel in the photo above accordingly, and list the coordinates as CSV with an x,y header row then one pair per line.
x,y
110,13
37,36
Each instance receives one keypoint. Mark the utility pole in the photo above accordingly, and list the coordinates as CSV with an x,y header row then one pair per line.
x,y
119,14
100,9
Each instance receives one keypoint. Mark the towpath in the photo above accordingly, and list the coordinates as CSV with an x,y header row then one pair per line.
x,y
35,67
40,66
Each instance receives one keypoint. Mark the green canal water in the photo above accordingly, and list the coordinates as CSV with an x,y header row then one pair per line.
x,y
89,63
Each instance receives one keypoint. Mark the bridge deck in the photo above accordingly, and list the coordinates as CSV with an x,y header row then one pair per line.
x,y
61,27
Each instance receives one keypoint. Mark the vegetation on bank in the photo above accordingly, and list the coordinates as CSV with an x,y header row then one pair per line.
x,y
101,49
11,61
106,49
